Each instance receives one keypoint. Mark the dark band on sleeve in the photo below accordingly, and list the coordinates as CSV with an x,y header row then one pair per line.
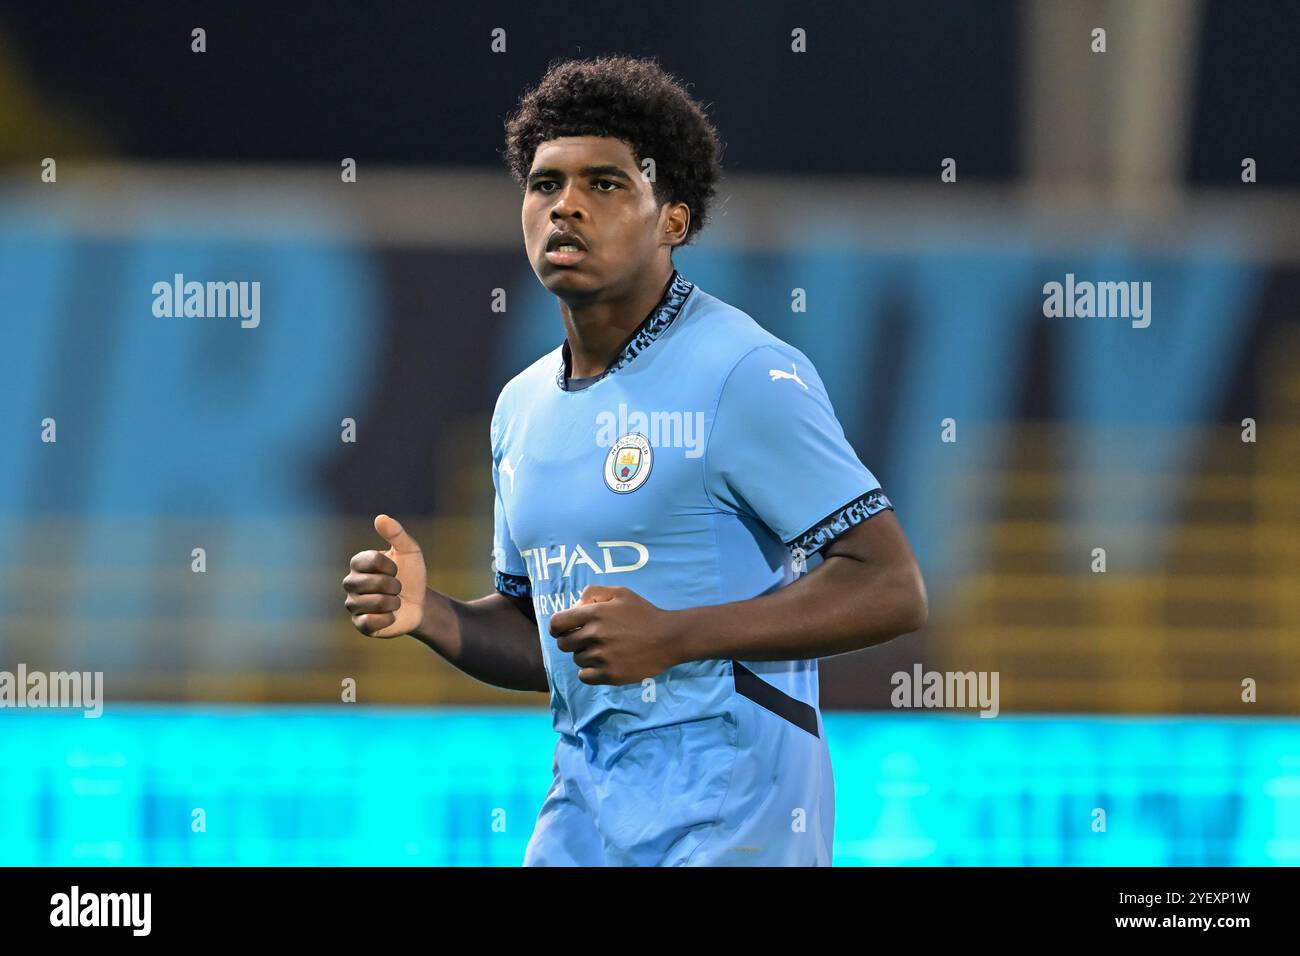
x,y
515,585
841,520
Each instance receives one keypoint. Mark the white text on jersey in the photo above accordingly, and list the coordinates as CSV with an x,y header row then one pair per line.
x,y
565,559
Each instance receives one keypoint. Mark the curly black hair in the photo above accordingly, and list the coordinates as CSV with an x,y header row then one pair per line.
x,y
633,100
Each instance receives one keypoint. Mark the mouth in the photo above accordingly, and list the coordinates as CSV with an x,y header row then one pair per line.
x,y
565,248
566,256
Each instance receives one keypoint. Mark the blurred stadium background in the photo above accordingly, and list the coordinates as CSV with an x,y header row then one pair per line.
x,y
1120,690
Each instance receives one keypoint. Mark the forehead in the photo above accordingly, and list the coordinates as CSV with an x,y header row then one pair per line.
x,y
575,151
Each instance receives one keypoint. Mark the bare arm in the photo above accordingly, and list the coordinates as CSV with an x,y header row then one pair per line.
x,y
868,590
493,639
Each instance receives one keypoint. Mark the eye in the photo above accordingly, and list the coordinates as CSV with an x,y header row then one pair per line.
x,y
537,186
607,182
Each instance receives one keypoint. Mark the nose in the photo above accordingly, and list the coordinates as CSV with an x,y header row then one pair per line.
x,y
566,204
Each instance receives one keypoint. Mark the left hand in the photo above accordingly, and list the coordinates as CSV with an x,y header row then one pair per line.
x,y
615,636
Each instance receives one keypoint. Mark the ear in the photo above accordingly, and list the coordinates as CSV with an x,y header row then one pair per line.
x,y
675,223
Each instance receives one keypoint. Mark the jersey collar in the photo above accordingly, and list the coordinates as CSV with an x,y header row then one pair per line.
x,y
655,324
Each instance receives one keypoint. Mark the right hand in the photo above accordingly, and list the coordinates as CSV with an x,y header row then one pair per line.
x,y
386,588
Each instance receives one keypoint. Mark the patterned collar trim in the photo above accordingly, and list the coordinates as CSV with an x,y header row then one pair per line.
x,y
655,324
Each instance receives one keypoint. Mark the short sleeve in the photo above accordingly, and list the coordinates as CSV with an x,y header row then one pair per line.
x,y
511,575
778,453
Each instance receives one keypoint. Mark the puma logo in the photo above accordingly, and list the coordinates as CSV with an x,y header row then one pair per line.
x,y
777,373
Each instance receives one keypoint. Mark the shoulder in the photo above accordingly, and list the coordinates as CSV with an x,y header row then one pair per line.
x,y
726,338
743,357
521,390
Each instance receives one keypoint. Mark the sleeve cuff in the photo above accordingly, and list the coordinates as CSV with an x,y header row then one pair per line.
x,y
515,585
839,521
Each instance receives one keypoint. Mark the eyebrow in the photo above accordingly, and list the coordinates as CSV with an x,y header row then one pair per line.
x,y
613,172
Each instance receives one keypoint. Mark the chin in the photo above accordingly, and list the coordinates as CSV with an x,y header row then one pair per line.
x,y
561,280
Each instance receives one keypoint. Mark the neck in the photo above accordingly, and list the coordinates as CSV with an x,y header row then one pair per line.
x,y
596,328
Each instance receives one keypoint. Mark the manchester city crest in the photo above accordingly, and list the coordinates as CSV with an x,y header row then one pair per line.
x,y
627,466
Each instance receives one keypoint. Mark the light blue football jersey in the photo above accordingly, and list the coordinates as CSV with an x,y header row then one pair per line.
x,y
704,466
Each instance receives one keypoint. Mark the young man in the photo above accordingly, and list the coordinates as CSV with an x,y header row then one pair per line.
x,y
661,478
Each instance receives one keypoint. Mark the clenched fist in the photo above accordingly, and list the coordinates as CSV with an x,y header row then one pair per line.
x,y
386,588
616,636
